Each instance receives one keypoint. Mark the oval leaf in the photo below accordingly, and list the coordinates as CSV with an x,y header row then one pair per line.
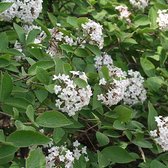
x,y
24,138
53,119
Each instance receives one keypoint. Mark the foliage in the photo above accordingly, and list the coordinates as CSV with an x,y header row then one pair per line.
x,y
32,60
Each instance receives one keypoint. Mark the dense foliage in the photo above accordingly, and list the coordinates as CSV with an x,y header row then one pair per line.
x,y
83,83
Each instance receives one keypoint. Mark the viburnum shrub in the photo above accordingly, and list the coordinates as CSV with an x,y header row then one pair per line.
x,y
83,84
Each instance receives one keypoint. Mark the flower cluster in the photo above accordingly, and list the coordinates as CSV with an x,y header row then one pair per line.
x,y
160,135
139,4
70,97
114,88
62,156
124,13
162,19
103,60
26,10
56,37
135,91
114,91
93,31
121,85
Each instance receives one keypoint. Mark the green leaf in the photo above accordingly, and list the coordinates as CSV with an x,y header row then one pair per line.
x,y
24,138
80,52
151,117
5,86
3,43
30,114
40,64
32,35
20,126
141,20
4,6
94,49
124,113
154,83
67,48
153,17
43,27
157,164
41,95
119,125
142,143
3,62
164,41
17,102
80,82
148,67
72,21
2,136
104,73
102,161
52,18
53,119
116,154
20,32
59,66
7,152
58,134
42,75
102,138
36,159
67,68
96,103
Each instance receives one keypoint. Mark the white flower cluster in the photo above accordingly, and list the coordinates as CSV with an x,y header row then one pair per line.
x,y
139,4
122,86
160,135
162,19
135,91
124,13
26,10
115,87
70,97
62,156
93,30
103,60
56,37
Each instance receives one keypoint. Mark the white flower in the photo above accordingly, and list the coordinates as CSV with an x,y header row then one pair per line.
x,y
123,86
160,135
162,19
68,40
76,143
94,31
102,81
61,154
139,4
57,37
62,158
124,13
71,98
57,89
84,150
26,10
135,91
77,153
103,60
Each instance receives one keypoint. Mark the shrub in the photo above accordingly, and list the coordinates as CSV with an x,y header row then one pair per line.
x,y
83,83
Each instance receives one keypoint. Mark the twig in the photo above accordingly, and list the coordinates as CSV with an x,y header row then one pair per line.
x,y
142,154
